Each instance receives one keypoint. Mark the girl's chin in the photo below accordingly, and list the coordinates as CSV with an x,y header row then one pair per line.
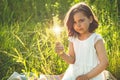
x,y
80,32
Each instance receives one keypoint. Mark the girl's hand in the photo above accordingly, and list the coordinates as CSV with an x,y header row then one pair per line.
x,y
82,77
59,48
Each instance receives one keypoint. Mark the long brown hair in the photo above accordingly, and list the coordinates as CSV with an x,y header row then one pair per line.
x,y
69,20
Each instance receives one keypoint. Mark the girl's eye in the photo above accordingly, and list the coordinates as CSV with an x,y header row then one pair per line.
x,y
81,20
74,22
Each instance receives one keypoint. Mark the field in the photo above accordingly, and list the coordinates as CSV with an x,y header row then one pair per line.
x,y
27,42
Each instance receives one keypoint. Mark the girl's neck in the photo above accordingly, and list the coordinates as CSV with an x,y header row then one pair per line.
x,y
84,36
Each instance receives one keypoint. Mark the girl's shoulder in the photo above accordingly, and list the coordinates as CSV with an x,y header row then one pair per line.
x,y
98,37
71,38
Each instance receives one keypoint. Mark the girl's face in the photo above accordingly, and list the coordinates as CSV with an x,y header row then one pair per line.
x,y
81,23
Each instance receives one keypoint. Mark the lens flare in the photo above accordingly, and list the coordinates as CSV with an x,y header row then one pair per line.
x,y
57,29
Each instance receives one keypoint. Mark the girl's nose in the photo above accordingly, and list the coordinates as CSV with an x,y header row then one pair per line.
x,y
78,25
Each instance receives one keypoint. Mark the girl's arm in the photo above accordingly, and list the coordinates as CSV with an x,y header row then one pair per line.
x,y
69,58
101,53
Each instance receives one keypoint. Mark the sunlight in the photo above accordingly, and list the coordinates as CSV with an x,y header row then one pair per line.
x,y
57,30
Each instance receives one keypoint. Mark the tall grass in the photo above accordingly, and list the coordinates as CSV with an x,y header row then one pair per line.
x,y
29,50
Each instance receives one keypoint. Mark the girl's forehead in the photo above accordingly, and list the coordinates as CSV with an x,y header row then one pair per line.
x,y
79,15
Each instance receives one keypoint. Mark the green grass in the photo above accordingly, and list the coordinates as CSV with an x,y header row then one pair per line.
x,y
28,49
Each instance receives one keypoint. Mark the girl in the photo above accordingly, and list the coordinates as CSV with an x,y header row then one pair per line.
x,y
87,55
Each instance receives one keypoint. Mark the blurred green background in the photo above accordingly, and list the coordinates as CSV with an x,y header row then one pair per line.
x,y
27,39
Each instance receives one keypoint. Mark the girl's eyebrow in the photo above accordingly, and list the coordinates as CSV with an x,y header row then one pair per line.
x,y
79,19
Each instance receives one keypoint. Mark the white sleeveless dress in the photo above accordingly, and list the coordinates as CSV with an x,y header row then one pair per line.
x,y
86,58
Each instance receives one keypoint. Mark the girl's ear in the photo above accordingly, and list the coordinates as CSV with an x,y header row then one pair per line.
x,y
91,19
